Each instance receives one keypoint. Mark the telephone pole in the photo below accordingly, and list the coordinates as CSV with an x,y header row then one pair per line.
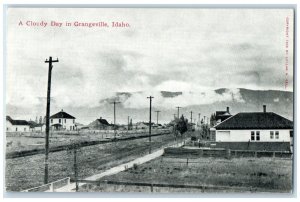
x,y
114,103
157,112
128,123
178,111
191,117
150,117
50,61
75,167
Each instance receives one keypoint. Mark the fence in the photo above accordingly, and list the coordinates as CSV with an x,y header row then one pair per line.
x,y
160,187
50,187
223,153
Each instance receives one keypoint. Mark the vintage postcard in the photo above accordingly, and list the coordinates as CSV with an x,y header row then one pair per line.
x,y
152,100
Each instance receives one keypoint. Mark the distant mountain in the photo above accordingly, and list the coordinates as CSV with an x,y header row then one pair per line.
x,y
280,102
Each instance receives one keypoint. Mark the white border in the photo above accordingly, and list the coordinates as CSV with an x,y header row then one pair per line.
x,y
157,2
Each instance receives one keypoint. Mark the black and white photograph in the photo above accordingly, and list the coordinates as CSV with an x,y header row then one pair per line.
x,y
149,100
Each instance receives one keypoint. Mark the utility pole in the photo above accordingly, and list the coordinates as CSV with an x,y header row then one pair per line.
x,y
191,117
128,123
114,103
157,112
75,167
178,111
50,61
150,117
199,117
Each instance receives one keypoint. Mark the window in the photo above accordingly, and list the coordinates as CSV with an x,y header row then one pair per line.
x,y
73,120
16,129
59,120
277,134
24,129
257,135
272,134
51,120
70,127
252,136
65,120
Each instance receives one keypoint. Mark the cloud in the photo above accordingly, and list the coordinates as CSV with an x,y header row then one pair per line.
x,y
139,99
188,50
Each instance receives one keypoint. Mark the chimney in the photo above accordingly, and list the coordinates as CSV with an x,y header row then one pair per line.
x,y
62,110
227,110
265,108
100,117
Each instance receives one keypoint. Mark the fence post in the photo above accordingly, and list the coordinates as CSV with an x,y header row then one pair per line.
x,y
187,161
51,187
228,153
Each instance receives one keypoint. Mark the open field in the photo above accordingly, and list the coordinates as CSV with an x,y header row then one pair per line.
x,y
209,174
35,141
27,172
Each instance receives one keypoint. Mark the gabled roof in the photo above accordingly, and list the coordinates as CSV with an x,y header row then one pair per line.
x,y
103,121
16,122
255,120
63,115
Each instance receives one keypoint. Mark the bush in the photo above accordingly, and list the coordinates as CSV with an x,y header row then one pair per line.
x,y
135,166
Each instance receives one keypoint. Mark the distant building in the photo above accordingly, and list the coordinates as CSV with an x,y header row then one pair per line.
x,y
222,115
40,127
100,124
143,125
62,121
16,125
37,127
254,131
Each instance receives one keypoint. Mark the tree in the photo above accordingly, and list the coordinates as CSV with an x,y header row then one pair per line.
x,y
213,120
130,127
181,125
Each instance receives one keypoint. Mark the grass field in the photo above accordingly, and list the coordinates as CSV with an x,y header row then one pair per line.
x,y
27,172
235,175
32,140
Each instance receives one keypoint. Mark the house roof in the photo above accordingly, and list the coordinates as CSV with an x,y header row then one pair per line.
x,y
56,124
63,115
103,121
16,122
255,120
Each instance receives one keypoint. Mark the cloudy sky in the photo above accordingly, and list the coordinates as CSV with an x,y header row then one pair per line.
x,y
192,50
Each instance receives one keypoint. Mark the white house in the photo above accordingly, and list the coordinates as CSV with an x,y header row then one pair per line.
x,y
62,121
16,125
254,131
